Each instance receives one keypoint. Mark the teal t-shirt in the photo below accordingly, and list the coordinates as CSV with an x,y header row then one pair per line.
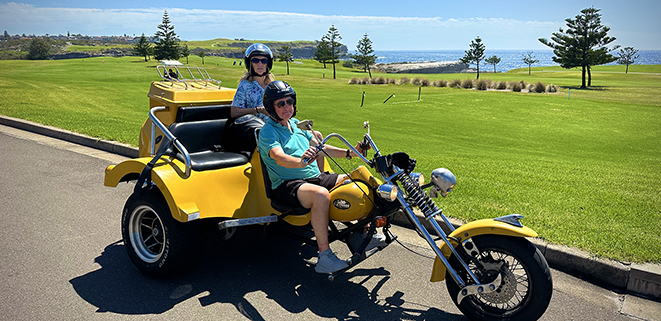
x,y
293,143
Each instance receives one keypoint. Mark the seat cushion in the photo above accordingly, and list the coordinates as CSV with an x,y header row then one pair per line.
x,y
208,160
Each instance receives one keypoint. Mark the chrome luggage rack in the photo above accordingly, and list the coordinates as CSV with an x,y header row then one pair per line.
x,y
196,74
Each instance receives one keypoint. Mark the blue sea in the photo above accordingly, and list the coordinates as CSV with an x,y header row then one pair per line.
x,y
510,59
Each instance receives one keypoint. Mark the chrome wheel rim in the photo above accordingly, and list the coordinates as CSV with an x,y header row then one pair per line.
x,y
147,234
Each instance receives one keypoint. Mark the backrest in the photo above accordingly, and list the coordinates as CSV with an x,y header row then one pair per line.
x,y
199,136
197,113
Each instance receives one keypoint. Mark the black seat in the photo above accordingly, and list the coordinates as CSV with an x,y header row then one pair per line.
x,y
203,140
278,206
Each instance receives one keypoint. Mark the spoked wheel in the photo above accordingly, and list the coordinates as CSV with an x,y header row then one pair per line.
x,y
157,244
525,289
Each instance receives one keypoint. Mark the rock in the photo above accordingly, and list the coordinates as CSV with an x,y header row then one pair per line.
x,y
426,67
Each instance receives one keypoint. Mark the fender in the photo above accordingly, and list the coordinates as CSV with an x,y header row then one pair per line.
x,y
475,228
235,192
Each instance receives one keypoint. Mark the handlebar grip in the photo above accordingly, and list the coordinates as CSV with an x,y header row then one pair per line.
x,y
309,160
364,146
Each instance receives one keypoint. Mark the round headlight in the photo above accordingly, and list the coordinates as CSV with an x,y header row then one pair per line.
x,y
418,177
387,192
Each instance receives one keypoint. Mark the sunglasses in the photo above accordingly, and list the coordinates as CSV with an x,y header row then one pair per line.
x,y
289,102
264,61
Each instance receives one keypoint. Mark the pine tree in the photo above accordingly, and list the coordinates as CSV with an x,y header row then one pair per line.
x,y
627,56
322,52
529,59
583,44
364,54
167,43
184,51
143,47
284,54
493,60
475,54
333,39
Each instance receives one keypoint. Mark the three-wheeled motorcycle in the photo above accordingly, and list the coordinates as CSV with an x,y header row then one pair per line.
x,y
197,168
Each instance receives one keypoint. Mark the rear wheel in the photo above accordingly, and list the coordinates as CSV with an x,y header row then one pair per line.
x,y
526,286
157,244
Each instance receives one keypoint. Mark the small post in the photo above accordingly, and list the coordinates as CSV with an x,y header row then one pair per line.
x,y
569,95
362,100
393,95
419,91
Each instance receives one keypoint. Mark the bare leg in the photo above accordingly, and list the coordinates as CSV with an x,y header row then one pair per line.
x,y
317,199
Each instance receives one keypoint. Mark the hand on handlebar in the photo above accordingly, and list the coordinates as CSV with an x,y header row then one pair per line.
x,y
309,155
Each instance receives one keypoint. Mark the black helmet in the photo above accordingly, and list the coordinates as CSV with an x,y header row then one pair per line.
x,y
275,90
258,49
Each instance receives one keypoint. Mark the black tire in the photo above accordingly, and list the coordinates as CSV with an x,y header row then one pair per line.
x,y
526,287
157,244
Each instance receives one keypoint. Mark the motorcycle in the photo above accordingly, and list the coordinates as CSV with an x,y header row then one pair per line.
x,y
207,172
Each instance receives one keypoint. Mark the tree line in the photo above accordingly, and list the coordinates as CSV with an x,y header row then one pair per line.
x,y
584,43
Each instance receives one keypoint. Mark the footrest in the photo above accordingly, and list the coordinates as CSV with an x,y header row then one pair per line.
x,y
247,221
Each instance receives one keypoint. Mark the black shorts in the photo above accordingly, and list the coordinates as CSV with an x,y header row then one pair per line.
x,y
286,192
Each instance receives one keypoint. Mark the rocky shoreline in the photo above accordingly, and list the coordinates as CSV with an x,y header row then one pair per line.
x,y
425,67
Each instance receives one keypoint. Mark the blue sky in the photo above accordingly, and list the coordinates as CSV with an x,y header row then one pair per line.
x,y
391,25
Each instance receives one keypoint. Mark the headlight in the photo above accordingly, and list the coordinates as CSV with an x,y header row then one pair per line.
x,y
443,180
387,192
418,177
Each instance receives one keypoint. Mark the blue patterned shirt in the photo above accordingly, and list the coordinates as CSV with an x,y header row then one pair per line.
x,y
249,95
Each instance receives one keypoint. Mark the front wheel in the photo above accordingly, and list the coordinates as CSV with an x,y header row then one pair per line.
x,y
526,287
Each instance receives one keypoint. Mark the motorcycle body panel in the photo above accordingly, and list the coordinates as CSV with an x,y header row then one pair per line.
x,y
472,229
234,192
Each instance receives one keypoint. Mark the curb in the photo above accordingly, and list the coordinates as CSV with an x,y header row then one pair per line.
x,y
639,279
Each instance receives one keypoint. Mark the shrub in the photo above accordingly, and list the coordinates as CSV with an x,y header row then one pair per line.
x,y
416,81
501,85
467,84
523,84
482,84
539,87
516,86
551,88
440,83
404,80
392,81
347,64
353,81
424,82
365,81
378,80
455,83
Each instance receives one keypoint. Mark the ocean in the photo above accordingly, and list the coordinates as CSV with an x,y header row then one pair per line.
x,y
510,59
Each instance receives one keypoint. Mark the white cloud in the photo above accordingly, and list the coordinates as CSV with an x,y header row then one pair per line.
x,y
195,24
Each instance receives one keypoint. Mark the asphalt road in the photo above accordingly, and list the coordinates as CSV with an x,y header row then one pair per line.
x,y
61,257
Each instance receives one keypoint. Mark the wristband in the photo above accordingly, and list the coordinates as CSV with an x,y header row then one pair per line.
x,y
348,154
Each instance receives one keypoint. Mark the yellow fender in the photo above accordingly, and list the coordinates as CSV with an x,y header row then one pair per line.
x,y
472,229
235,192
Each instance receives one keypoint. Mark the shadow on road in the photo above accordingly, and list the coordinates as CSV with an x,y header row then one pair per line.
x,y
227,271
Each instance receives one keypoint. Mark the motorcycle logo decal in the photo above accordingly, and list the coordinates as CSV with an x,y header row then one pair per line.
x,y
341,204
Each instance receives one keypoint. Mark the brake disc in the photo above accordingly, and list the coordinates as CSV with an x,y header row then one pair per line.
x,y
507,288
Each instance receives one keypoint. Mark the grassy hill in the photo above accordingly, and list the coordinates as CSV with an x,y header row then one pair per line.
x,y
583,169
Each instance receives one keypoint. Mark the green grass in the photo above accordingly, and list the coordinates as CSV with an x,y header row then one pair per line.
x,y
585,171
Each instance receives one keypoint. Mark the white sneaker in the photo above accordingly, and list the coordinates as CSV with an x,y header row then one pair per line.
x,y
378,240
329,263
